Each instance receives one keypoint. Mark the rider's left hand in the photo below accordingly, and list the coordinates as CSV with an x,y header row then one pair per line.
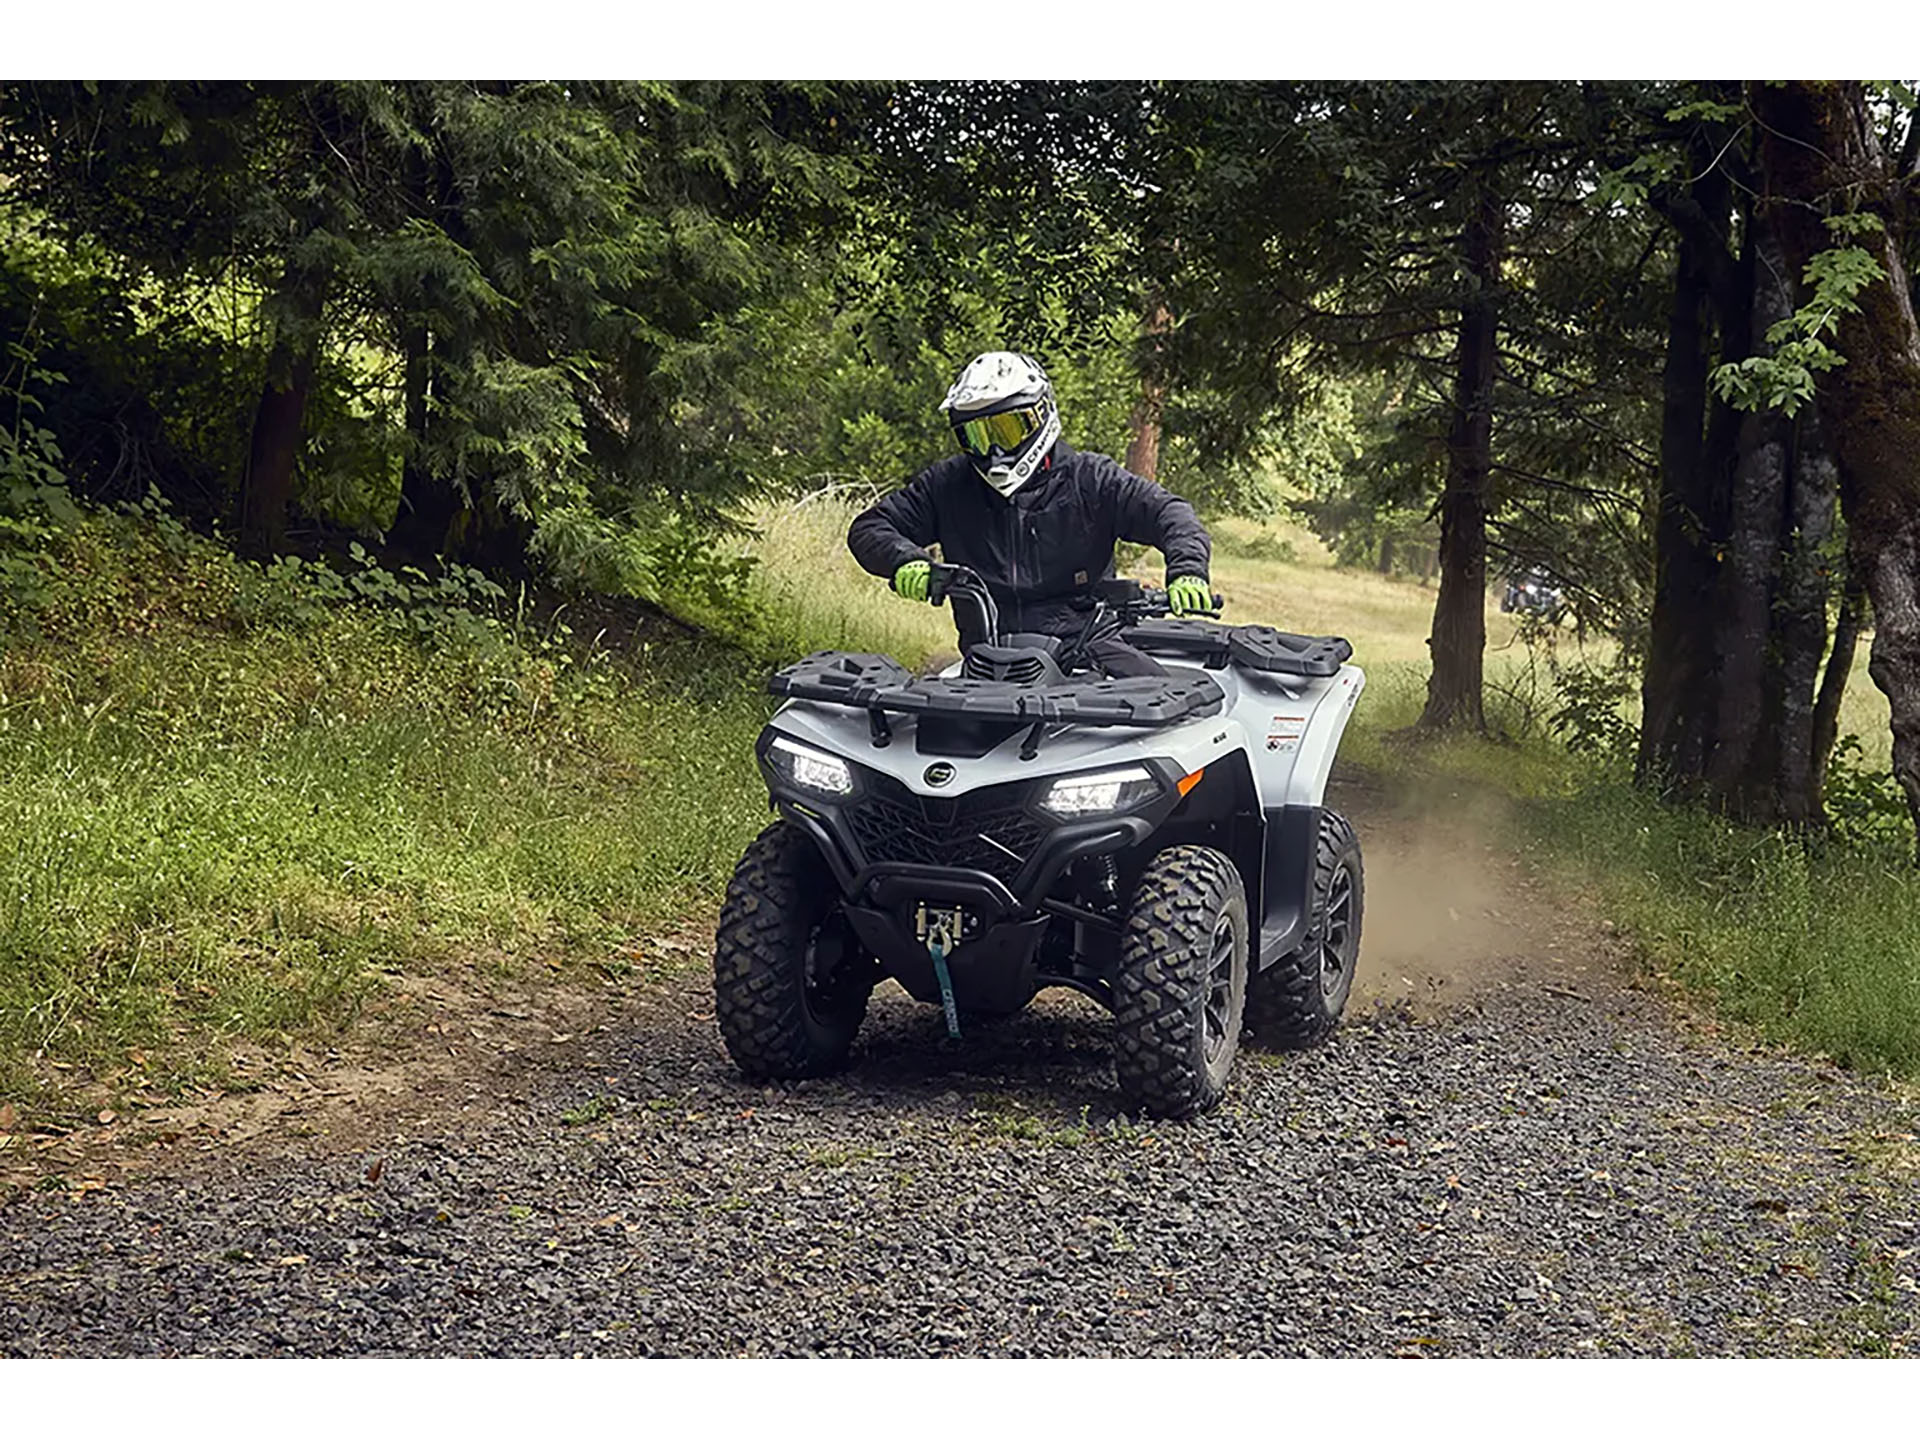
x,y
1189,596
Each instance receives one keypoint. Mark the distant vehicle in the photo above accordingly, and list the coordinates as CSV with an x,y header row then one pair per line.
x,y
1535,591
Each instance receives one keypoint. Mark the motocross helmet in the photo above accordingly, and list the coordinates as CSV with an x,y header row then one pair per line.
x,y
1004,417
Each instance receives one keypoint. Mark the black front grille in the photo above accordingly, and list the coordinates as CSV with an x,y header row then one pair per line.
x,y
986,830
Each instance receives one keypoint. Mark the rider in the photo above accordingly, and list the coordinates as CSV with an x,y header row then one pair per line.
x,y
1035,518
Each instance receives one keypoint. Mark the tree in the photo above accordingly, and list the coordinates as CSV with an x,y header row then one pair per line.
x,y
510,297
1827,178
1441,235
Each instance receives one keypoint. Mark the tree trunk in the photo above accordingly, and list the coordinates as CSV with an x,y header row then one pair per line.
x,y
1819,150
1743,610
1459,639
1771,605
1833,685
273,452
1800,627
1674,685
1386,554
428,503
1143,448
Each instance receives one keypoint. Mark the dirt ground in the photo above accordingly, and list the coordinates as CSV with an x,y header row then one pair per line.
x,y
1452,912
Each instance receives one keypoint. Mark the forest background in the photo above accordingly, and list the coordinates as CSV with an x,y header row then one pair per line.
x,y
404,487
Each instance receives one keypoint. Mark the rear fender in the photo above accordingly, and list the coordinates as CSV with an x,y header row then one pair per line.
x,y
1320,742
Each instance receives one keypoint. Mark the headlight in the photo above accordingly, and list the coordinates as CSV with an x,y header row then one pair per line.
x,y
1100,793
810,769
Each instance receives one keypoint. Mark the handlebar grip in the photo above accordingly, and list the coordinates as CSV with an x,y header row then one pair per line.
x,y
939,577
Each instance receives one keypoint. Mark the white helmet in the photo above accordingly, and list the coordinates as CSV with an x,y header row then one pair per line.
x,y
1003,414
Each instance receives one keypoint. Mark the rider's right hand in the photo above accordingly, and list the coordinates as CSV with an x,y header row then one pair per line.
x,y
911,579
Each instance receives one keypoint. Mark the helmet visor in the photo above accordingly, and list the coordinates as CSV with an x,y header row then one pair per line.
x,y
1007,430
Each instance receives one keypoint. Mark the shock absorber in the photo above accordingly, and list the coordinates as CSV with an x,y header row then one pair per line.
x,y
1098,878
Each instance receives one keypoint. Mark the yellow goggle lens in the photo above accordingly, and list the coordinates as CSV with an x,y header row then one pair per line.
x,y
1003,431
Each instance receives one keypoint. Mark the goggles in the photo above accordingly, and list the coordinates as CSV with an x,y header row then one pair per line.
x,y
1007,430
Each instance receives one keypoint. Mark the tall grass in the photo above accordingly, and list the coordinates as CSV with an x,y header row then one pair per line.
x,y
214,828
1814,942
811,594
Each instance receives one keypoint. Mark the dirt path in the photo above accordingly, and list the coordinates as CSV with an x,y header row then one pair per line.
x,y
1508,1149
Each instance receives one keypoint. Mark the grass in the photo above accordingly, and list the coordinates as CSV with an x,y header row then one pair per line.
x,y
1816,945
814,597
226,829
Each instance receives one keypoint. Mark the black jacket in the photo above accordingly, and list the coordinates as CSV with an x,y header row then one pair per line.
x,y
1040,551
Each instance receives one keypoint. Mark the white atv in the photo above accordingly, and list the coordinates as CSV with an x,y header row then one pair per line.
x,y
1158,843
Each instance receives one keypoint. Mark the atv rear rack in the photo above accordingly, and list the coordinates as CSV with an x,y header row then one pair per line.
x,y
1251,647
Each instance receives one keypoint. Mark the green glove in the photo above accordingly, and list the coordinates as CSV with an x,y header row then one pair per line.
x,y
1189,596
911,579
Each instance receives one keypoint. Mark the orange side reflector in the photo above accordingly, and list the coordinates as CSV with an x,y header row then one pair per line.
x,y
1188,782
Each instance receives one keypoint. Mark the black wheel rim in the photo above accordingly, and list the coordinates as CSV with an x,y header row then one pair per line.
x,y
1217,1014
825,961
1336,946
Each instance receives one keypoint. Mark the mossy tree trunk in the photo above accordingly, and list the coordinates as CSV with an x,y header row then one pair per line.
x,y
1821,154
279,417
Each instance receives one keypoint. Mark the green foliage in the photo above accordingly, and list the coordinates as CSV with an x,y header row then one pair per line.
x,y
458,607
34,502
517,299
1865,805
1590,712
1784,380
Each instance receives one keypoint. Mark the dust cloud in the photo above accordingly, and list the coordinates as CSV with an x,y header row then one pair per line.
x,y
1452,911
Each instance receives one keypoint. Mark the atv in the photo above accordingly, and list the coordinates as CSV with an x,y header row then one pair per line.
x,y
1533,592
1021,821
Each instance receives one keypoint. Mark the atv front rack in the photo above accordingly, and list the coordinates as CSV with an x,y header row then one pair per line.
x,y
880,684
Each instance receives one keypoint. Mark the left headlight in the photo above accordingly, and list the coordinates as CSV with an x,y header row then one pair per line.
x,y
810,769
1101,793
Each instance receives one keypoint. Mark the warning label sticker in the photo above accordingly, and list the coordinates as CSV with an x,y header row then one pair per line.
x,y
1285,732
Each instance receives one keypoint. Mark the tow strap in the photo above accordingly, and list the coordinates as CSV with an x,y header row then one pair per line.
x,y
938,950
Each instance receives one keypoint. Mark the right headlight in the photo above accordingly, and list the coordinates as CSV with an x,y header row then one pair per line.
x,y
810,769
1104,792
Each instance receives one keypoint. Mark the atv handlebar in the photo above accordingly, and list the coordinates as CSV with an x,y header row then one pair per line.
x,y
959,581
1122,603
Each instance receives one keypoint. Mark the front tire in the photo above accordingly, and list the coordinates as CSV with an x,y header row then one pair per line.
x,y
1297,1001
1180,987
790,981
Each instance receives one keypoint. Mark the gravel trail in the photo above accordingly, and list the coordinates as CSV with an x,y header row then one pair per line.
x,y
1543,1165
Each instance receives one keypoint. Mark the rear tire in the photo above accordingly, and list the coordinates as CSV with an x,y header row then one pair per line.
x,y
1297,1001
1180,987
790,981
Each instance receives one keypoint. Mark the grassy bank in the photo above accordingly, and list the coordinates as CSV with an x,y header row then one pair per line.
x,y
234,800
1816,945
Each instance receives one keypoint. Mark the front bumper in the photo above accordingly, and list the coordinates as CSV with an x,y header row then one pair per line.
x,y
992,852
995,842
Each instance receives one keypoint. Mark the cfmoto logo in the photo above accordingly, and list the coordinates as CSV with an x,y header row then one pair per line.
x,y
939,774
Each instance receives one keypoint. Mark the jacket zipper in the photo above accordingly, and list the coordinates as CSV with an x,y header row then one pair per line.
x,y
1013,562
